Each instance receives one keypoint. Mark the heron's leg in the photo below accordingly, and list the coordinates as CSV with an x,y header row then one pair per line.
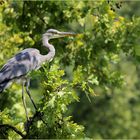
x,y
24,102
28,92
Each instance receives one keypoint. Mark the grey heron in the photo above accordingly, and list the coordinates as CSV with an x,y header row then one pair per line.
x,y
27,60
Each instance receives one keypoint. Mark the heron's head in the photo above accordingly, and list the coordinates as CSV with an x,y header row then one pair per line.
x,y
52,33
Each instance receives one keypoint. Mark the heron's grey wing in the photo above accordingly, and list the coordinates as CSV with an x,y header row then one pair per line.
x,y
19,65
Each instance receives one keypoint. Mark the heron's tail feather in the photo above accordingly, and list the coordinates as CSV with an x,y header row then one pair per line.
x,y
3,85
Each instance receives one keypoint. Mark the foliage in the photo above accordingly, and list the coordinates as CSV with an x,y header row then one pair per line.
x,y
89,61
57,95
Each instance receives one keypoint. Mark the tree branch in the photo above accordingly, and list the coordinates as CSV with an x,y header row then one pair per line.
x,y
13,128
38,116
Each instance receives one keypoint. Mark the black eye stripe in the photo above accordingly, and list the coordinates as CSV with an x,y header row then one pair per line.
x,y
53,32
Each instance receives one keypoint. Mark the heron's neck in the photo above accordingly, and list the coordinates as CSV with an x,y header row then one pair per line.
x,y
51,48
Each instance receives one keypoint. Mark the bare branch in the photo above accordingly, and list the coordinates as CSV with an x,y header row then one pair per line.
x,y
13,128
38,116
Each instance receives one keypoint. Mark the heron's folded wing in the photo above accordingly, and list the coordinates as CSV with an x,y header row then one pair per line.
x,y
16,67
